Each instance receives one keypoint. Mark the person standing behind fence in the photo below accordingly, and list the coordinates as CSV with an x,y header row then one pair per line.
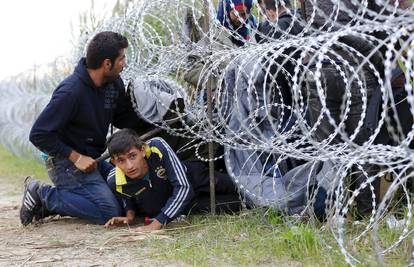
x,y
236,16
281,21
347,77
72,131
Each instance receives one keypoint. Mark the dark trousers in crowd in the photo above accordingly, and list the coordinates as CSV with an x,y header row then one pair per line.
x,y
228,199
338,94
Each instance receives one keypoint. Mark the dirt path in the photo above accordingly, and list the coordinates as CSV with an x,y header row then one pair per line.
x,y
64,241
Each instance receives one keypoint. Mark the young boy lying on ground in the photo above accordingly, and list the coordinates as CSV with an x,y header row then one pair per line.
x,y
150,180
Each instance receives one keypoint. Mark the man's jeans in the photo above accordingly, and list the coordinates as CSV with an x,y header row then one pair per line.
x,y
78,194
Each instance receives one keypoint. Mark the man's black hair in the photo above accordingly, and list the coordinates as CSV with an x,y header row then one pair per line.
x,y
105,45
122,141
273,4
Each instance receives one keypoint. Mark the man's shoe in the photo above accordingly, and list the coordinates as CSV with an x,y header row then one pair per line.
x,y
31,203
42,213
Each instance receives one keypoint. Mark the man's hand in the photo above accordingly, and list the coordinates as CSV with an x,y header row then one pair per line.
x,y
117,221
86,164
82,162
154,226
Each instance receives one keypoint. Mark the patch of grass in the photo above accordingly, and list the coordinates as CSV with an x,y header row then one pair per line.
x,y
255,237
260,237
12,166
251,238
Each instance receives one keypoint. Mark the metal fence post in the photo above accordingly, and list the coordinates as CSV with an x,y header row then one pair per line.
x,y
210,116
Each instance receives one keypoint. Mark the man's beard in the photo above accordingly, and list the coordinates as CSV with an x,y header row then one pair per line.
x,y
112,77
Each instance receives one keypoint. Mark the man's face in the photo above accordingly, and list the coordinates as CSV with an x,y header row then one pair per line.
x,y
271,15
112,73
242,14
132,163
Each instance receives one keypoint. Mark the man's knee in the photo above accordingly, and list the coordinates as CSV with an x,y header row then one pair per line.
x,y
107,212
110,209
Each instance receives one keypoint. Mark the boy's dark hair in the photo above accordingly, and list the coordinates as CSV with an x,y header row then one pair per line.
x,y
105,45
121,141
273,4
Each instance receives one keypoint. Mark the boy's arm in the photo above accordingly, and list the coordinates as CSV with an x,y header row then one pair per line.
x,y
127,203
182,190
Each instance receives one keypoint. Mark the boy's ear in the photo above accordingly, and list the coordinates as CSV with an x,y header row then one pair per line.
x,y
112,161
142,149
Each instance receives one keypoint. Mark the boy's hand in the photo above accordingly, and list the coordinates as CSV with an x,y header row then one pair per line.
x,y
154,226
117,221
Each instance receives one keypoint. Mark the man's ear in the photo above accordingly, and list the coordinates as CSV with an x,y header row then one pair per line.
x,y
107,64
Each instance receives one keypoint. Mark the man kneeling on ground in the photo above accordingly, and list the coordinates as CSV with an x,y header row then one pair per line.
x,y
72,131
150,180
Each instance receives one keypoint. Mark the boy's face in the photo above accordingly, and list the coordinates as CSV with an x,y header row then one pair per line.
x,y
132,163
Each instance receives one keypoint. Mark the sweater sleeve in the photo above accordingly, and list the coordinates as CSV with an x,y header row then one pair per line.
x,y
56,115
182,190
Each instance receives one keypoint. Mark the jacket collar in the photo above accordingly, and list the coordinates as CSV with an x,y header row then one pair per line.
x,y
120,178
83,74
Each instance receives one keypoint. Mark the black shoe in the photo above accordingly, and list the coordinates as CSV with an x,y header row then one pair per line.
x,y
31,203
42,213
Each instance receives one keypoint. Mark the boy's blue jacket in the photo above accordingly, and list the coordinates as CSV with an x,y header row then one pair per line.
x,y
165,192
79,114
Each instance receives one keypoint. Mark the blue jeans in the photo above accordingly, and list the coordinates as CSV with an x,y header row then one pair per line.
x,y
78,194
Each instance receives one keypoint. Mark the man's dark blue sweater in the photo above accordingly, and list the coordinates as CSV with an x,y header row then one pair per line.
x,y
79,114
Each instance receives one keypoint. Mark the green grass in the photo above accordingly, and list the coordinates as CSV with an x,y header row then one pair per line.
x,y
255,237
12,166
251,238
262,237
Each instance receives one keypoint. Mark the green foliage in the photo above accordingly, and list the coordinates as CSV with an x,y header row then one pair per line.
x,y
90,20
256,237
251,238
14,167
264,237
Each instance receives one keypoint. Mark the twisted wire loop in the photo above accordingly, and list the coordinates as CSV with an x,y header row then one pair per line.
x,y
312,116
23,96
